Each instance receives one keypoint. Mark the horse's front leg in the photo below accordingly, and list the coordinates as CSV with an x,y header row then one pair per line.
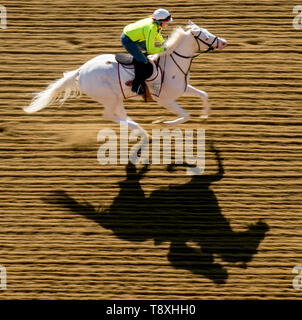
x,y
176,109
191,91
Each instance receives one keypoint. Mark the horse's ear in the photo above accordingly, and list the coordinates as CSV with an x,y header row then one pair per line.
x,y
190,24
193,27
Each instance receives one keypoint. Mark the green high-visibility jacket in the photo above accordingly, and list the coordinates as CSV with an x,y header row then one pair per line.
x,y
145,30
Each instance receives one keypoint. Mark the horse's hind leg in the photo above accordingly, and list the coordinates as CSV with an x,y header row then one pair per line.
x,y
110,109
120,112
115,111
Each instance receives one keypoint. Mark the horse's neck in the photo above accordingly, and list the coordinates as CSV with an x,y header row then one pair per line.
x,y
186,47
182,54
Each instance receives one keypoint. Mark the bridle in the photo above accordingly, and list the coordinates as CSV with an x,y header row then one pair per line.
x,y
197,38
211,48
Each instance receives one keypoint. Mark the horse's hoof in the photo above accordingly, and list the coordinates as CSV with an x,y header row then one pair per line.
x,y
169,123
176,122
158,120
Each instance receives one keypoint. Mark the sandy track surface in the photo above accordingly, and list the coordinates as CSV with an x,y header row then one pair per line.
x,y
74,229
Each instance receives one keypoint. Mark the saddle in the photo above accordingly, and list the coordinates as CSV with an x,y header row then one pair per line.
x,y
125,59
142,72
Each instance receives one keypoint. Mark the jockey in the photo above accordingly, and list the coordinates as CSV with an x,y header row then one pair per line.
x,y
141,35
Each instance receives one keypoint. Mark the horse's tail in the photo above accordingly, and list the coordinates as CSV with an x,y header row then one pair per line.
x,y
64,87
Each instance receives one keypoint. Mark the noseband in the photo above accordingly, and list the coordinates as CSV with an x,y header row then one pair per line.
x,y
211,48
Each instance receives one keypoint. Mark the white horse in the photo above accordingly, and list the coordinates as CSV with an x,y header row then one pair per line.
x,y
98,78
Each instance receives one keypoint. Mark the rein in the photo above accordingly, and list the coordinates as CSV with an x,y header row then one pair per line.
x,y
211,48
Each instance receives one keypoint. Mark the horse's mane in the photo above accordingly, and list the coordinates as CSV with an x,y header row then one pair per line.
x,y
173,41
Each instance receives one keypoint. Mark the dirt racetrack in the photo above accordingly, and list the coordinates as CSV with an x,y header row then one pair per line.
x,y
229,234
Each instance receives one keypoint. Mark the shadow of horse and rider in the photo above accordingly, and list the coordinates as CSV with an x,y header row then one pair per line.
x,y
181,214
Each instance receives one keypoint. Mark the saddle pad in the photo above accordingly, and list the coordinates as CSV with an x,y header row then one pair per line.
x,y
126,76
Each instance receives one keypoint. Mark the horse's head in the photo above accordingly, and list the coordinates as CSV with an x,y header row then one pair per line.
x,y
205,39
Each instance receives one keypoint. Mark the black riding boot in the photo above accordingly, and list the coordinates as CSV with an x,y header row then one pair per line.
x,y
138,83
